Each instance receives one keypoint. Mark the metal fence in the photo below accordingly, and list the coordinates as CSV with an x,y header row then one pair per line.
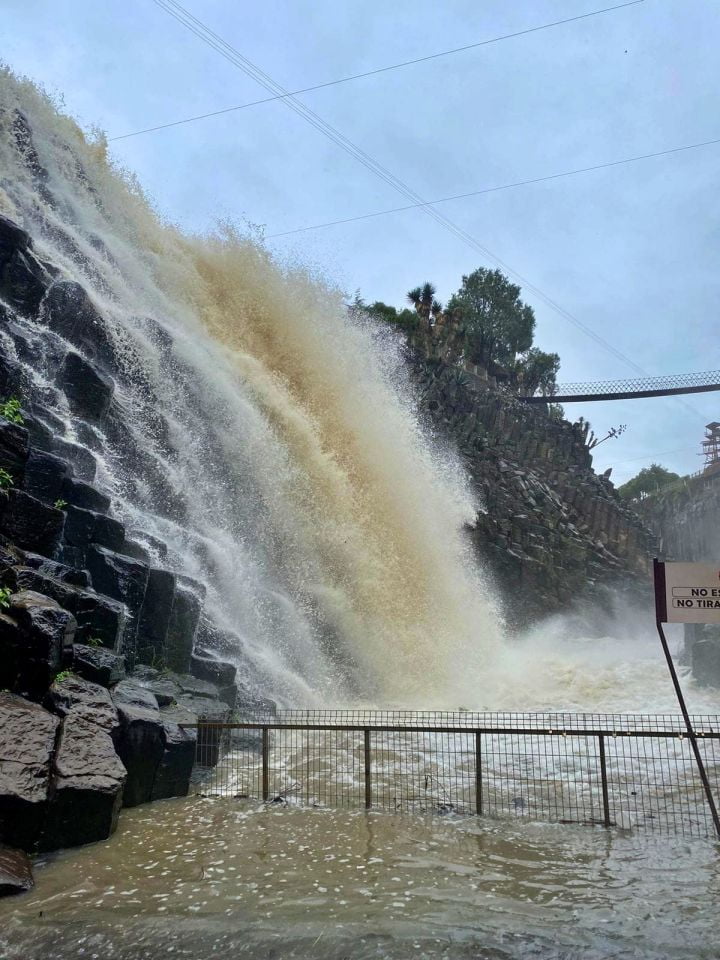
x,y
629,771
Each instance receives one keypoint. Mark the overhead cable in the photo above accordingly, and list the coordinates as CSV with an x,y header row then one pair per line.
x,y
378,70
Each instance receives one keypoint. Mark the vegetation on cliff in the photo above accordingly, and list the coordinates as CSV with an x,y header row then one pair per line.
x,y
648,481
485,323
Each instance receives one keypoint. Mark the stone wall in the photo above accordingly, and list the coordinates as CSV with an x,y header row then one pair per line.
x,y
551,530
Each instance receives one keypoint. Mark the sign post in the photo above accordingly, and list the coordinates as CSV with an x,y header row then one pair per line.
x,y
687,593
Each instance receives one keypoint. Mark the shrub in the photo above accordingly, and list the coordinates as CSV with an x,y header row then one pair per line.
x,y
6,479
10,409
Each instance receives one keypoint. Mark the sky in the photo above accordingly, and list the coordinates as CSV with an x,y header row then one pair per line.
x,y
630,251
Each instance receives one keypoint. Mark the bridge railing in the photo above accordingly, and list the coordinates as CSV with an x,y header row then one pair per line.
x,y
630,771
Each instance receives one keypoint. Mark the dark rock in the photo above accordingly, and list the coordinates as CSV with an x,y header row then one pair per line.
x,y
14,449
11,645
83,462
140,745
98,618
98,665
214,638
24,280
13,239
58,571
150,543
82,494
27,742
123,579
47,638
15,872
132,693
83,699
183,623
14,380
87,389
31,524
135,550
219,673
69,311
172,778
45,475
87,786
155,615
85,527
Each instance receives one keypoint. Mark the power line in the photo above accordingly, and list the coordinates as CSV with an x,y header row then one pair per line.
x,y
378,70
651,456
504,186
208,36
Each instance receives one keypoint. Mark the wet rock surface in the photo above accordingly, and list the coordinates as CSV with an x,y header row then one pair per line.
x,y
27,744
15,872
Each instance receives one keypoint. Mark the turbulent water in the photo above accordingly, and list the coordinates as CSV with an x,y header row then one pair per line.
x,y
201,879
326,527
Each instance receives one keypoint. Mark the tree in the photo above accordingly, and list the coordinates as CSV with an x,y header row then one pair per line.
x,y
423,299
406,319
497,324
648,481
537,372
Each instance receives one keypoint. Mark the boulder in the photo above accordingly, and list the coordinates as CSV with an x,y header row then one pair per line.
x,y
132,693
172,777
218,672
82,494
163,687
47,638
45,475
98,618
86,527
140,745
58,571
27,742
154,618
124,579
87,389
68,310
13,239
15,872
11,643
98,665
24,280
30,524
83,699
83,462
87,786
14,449
187,607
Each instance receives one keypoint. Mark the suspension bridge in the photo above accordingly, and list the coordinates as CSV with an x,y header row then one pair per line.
x,y
669,386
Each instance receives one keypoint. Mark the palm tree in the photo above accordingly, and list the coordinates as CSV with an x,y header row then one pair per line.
x,y
414,297
427,296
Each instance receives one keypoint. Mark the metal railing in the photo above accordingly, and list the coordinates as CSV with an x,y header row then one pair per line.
x,y
668,386
632,771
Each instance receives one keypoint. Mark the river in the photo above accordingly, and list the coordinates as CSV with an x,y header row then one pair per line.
x,y
200,878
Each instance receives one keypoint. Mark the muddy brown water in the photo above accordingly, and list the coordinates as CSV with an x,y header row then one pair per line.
x,y
201,879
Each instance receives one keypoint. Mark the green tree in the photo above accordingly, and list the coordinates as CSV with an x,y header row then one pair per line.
x,y
423,299
537,372
406,319
649,480
496,322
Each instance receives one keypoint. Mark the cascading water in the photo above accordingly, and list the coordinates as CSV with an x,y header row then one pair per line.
x,y
264,437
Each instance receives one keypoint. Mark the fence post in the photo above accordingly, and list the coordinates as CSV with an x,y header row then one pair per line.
x,y
478,774
368,783
603,779
265,763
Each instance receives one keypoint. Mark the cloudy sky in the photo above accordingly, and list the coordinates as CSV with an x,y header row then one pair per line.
x,y
631,252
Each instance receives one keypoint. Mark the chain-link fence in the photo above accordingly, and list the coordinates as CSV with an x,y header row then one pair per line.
x,y
613,770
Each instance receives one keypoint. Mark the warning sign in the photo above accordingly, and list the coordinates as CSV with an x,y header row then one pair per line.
x,y
687,592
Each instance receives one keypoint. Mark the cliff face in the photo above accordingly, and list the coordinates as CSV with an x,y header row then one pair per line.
x,y
685,518
551,530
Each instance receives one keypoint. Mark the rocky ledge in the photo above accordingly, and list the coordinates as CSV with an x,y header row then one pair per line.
x,y
104,654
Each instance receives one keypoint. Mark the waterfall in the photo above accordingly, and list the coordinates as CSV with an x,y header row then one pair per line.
x,y
270,441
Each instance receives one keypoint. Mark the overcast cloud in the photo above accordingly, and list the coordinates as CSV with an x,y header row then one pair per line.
x,y
631,251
